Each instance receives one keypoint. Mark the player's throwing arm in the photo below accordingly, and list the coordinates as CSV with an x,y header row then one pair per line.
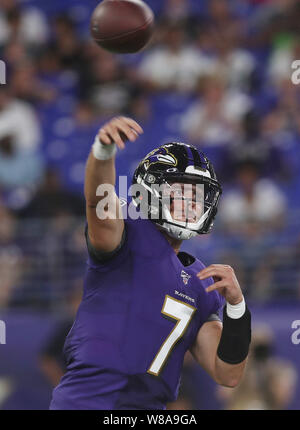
x,y
105,234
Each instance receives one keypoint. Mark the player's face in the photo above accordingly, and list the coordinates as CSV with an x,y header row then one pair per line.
x,y
186,201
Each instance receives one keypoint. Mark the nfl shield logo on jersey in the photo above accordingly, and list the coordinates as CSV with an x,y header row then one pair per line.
x,y
185,277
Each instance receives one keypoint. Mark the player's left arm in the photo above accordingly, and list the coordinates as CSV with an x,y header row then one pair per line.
x,y
222,349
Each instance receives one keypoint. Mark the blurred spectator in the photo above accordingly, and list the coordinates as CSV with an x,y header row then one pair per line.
x,y
106,85
68,47
85,114
256,204
253,215
280,64
11,259
271,22
54,258
139,107
28,25
67,44
234,63
52,360
51,200
48,63
18,119
6,389
219,14
176,10
269,382
54,80
26,86
20,137
253,144
173,65
215,117
277,274
287,109
14,53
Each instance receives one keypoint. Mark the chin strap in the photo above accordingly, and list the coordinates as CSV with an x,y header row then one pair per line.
x,y
178,232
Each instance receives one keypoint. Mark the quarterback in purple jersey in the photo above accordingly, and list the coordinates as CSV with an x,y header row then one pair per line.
x,y
146,303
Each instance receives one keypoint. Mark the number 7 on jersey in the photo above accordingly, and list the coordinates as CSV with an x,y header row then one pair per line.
x,y
183,314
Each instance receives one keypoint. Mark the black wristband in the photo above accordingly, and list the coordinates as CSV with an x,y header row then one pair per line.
x,y
235,339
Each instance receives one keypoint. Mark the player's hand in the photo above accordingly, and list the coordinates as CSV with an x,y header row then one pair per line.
x,y
118,130
225,282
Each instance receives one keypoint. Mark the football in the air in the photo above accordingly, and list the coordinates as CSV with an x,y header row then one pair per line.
x,y
122,26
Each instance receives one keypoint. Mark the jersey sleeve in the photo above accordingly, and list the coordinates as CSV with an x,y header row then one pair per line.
x,y
105,261
101,256
219,303
214,317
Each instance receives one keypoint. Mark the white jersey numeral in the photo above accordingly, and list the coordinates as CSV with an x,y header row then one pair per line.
x,y
183,314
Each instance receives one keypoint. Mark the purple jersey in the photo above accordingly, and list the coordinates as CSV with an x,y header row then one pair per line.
x,y
141,311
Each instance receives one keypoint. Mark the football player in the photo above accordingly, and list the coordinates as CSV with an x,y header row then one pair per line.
x,y
145,303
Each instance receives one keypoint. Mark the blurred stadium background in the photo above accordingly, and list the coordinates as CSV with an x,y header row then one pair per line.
x,y
217,74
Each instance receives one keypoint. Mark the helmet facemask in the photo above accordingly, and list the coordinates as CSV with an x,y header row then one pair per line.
x,y
183,205
183,165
